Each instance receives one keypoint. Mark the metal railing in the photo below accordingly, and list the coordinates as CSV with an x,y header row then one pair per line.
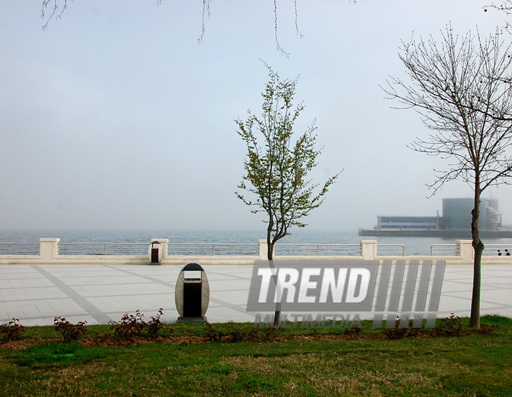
x,y
317,249
12,248
453,250
103,249
212,249
444,250
226,249
498,250
390,250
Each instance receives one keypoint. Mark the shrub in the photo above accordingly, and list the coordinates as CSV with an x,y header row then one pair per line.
x,y
154,326
131,325
70,332
450,326
487,330
396,332
213,334
239,334
264,334
400,333
353,332
12,330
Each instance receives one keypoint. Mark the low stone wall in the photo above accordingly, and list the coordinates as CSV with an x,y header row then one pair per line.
x,y
49,254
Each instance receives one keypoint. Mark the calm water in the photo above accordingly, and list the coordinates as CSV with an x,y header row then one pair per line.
x,y
413,245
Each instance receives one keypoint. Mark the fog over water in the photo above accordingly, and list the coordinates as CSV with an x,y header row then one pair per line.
x,y
115,118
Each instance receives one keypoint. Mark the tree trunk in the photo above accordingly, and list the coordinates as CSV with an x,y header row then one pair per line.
x,y
277,315
479,249
270,257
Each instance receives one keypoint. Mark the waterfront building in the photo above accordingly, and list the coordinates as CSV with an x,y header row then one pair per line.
x,y
455,221
408,222
457,213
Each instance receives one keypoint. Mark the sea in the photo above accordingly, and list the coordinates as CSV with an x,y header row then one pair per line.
x,y
413,245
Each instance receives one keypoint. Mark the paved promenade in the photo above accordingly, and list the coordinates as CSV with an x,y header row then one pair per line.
x,y
101,293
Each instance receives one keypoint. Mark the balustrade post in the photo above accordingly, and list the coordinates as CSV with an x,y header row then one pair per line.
x,y
368,249
49,248
465,250
263,248
164,242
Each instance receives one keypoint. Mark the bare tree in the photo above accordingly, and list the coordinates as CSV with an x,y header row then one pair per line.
x,y
276,171
461,87
57,7
505,7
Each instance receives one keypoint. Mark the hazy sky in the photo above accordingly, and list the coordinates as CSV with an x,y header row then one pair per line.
x,y
116,118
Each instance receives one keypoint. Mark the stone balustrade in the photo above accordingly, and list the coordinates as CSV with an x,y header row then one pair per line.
x,y
49,254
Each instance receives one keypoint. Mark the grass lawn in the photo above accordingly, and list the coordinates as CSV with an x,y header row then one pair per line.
x,y
294,362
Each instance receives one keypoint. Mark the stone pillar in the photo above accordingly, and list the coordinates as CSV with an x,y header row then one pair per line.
x,y
49,248
164,242
465,250
369,249
263,249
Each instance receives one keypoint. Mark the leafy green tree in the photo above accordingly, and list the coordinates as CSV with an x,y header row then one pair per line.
x,y
276,171
462,89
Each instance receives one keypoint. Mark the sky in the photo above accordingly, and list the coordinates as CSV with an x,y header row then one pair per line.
x,y
116,118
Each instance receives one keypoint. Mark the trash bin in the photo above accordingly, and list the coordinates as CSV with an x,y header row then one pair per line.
x,y
192,294
155,253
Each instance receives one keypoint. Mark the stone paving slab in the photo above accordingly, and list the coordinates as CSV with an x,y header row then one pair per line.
x,y
36,294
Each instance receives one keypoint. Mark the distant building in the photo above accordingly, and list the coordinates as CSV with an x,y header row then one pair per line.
x,y
457,213
456,216
408,222
455,222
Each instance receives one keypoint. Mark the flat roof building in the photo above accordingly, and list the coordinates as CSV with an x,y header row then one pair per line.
x,y
456,216
408,222
457,213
